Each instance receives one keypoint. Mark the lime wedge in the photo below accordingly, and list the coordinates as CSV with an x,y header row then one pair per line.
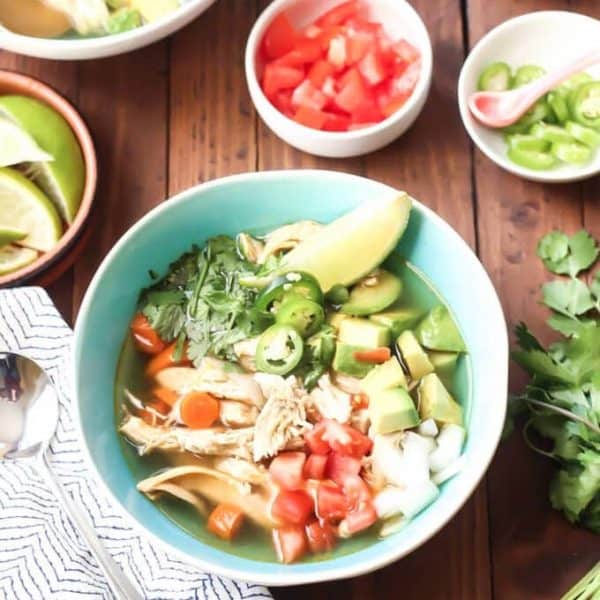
x,y
62,179
13,258
10,234
23,206
17,146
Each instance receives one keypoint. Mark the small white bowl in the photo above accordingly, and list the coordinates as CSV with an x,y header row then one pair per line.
x,y
400,20
107,45
545,38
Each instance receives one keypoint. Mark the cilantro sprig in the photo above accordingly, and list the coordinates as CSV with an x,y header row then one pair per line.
x,y
562,399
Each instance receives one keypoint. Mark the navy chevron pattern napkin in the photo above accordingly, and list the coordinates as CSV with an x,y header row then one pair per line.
x,y
41,555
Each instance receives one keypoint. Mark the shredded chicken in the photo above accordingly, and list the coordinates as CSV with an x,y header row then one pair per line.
x,y
287,237
246,351
205,442
242,470
214,378
347,383
360,420
282,421
330,401
237,414
250,246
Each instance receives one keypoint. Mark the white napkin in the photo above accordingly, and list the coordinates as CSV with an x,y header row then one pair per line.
x,y
41,554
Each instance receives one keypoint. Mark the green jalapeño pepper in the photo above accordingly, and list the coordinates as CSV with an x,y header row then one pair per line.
x,y
304,315
294,282
532,159
279,350
495,78
572,152
526,74
585,104
582,134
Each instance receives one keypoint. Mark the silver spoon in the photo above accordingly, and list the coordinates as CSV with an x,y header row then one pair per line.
x,y
29,411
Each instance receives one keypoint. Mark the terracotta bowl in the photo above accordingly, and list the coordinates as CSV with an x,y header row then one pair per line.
x,y
62,255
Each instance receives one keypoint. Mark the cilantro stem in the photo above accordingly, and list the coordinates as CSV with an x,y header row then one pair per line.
x,y
565,413
200,282
530,443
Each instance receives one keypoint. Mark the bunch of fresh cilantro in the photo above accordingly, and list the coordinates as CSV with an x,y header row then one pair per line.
x,y
201,303
562,400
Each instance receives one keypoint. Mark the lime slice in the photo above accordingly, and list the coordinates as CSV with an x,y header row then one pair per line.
x,y
62,179
17,146
25,207
13,258
10,234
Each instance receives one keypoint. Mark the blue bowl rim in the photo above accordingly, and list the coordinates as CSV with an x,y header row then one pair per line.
x,y
470,475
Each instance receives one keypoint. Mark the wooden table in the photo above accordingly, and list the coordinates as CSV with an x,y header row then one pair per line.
x,y
178,113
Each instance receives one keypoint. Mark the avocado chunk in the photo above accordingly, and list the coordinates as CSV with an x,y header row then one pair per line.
x,y
438,331
362,332
336,318
373,293
384,376
397,319
345,362
348,248
436,403
413,355
392,410
444,364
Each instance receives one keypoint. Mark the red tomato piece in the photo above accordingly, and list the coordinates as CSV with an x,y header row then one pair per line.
x,y
389,108
339,14
280,77
307,95
344,439
404,84
357,45
406,51
357,23
358,520
306,51
339,467
336,122
320,72
309,117
314,468
312,31
290,543
353,91
356,491
337,53
292,506
286,470
321,537
283,101
329,88
372,69
314,440
328,34
367,113
280,37
331,502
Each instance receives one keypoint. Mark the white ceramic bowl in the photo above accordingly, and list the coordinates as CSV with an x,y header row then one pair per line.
x,y
548,39
108,45
399,19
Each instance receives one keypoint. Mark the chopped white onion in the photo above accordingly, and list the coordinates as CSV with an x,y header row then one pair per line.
x,y
393,525
428,428
449,446
450,471
409,501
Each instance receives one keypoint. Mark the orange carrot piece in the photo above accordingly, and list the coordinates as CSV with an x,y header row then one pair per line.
x,y
376,355
199,410
225,521
165,359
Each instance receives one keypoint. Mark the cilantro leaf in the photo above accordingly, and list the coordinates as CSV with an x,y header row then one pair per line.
x,y
526,339
569,327
567,255
541,365
167,319
571,298
595,287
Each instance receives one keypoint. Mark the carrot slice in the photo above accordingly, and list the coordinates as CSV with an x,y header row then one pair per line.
x,y
145,337
225,521
166,395
199,410
166,359
149,415
376,355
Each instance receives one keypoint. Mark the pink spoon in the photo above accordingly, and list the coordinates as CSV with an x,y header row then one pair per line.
x,y
500,109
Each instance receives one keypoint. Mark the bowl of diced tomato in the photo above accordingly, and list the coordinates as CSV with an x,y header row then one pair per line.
x,y
338,78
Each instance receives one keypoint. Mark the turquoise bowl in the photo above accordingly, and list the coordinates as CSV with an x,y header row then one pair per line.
x,y
259,201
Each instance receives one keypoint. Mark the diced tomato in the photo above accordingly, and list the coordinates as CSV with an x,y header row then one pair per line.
x,y
339,467
356,491
406,51
339,14
280,37
310,117
358,520
286,470
321,537
328,34
314,468
283,101
358,24
371,68
305,51
292,506
144,335
319,72
404,84
331,502
373,355
225,521
290,543
367,112
357,45
353,92
340,438
312,31
166,358
314,440
390,107
280,77
336,54
359,401
336,122
306,94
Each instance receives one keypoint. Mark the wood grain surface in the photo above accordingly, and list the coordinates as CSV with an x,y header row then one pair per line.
x,y
178,113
